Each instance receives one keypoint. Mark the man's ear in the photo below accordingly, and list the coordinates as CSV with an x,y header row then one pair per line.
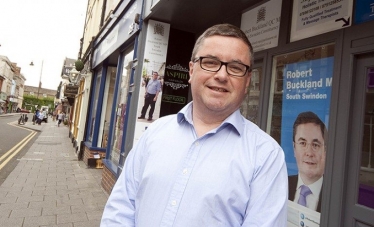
x,y
248,82
190,71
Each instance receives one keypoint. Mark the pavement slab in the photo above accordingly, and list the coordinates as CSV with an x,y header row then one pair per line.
x,y
50,186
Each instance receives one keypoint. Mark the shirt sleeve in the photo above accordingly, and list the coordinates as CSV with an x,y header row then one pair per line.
x,y
269,190
120,207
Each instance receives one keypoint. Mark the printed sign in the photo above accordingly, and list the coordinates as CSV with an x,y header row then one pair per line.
x,y
261,25
314,17
306,87
155,51
364,11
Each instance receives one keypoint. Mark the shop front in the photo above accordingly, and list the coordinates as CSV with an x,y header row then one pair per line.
x,y
113,52
313,65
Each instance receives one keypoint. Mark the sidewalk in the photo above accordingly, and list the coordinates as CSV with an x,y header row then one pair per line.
x,y
50,187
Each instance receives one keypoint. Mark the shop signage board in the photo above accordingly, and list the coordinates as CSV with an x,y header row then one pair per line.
x,y
261,25
364,11
118,33
315,17
71,90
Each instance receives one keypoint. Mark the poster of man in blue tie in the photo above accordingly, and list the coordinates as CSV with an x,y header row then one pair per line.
x,y
305,114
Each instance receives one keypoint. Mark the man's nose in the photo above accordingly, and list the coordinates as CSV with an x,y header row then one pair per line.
x,y
222,74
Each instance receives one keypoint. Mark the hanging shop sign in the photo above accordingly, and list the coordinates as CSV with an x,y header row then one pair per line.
x,y
261,25
71,90
315,17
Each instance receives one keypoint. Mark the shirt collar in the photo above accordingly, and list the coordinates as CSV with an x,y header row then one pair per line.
x,y
235,119
315,188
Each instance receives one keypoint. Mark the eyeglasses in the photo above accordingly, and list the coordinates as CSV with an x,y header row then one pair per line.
x,y
214,65
304,145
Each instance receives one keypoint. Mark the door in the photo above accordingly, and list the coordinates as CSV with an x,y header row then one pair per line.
x,y
359,203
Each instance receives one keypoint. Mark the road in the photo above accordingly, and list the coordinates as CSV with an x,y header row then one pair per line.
x,y
14,143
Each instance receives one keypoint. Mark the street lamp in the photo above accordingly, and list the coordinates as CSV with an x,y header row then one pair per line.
x,y
40,78
74,76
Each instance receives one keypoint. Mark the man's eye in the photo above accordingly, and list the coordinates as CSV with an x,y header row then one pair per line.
x,y
303,144
235,68
210,62
316,146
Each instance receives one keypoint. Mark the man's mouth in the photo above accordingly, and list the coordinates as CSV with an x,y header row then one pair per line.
x,y
309,163
218,89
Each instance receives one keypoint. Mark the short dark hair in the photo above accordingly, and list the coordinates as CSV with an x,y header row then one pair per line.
x,y
310,117
228,30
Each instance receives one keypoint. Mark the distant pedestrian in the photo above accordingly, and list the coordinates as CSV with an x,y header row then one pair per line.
x,y
60,118
54,115
40,117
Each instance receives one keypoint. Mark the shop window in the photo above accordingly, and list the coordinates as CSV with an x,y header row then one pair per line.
x,y
299,109
121,104
95,102
366,187
249,107
107,107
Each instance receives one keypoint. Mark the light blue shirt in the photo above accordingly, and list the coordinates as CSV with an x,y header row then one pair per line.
x,y
153,86
234,175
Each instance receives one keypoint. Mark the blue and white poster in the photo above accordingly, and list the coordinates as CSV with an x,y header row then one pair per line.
x,y
306,87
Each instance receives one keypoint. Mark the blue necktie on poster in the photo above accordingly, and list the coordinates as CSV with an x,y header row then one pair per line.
x,y
304,192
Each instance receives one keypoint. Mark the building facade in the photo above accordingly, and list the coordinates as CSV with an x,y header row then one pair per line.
x,y
309,57
11,85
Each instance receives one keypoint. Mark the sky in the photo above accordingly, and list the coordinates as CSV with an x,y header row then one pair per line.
x,y
44,32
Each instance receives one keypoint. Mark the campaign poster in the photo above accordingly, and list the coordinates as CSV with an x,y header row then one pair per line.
x,y
305,104
155,52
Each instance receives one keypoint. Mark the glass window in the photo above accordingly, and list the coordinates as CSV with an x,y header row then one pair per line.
x,y
249,107
298,119
121,103
366,187
107,107
95,100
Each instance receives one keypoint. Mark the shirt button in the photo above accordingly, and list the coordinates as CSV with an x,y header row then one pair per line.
x,y
197,143
174,202
185,171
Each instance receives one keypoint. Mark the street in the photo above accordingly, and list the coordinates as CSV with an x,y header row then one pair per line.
x,y
14,142
43,182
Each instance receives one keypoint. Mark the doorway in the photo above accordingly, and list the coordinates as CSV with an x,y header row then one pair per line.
x,y
359,203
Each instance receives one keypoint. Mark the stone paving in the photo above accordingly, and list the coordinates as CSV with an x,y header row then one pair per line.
x,y
50,187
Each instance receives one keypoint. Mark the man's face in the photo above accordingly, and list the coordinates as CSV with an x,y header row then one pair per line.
x,y
310,159
155,75
218,92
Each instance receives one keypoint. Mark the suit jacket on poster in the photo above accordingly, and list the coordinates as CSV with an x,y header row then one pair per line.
x,y
292,183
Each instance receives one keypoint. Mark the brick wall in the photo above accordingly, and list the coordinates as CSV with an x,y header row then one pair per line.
x,y
90,161
107,180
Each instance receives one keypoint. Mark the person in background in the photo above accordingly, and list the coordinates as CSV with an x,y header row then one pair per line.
x,y
40,117
35,117
309,143
151,92
60,118
206,165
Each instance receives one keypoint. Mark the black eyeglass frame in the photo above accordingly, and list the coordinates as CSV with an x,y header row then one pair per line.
x,y
248,68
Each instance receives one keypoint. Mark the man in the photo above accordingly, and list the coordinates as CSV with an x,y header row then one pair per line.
x,y
309,143
60,118
206,165
40,117
151,92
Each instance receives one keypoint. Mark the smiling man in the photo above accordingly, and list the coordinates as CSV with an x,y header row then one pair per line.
x,y
206,165
309,143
